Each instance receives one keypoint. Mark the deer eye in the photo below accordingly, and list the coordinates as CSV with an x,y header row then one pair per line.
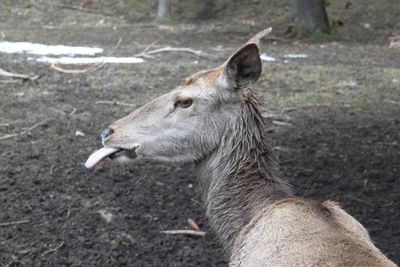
x,y
183,103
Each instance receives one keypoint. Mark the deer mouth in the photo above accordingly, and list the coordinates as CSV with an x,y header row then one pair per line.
x,y
109,152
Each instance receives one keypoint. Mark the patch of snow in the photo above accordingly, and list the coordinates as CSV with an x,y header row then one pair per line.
x,y
42,49
264,57
88,60
295,56
79,133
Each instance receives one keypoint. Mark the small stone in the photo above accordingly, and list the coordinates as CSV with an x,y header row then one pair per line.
x,y
106,215
79,133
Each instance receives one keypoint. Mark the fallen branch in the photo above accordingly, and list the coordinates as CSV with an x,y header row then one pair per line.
x,y
23,132
14,223
144,52
148,54
184,232
88,69
17,75
105,102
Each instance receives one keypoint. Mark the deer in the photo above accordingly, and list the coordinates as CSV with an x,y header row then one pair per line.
x,y
214,120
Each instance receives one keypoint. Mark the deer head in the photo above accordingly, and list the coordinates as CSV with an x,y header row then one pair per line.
x,y
186,124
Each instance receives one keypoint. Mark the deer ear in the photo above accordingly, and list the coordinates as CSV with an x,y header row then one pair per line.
x,y
244,67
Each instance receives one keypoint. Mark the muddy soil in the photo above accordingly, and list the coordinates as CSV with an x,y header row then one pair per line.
x,y
340,139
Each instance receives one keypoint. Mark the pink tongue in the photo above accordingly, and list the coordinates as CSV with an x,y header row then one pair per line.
x,y
100,154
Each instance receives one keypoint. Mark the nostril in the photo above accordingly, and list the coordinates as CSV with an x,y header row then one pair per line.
x,y
106,133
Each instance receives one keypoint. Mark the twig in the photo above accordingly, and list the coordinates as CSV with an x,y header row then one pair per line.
x,y
52,169
53,249
4,124
17,75
73,111
173,49
105,102
278,116
184,232
282,123
14,223
360,200
267,114
6,136
180,49
394,41
77,71
29,206
88,69
388,204
287,161
138,44
193,224
144,52
311,106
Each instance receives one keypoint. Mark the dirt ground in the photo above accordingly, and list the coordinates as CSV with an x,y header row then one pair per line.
x,y
340,138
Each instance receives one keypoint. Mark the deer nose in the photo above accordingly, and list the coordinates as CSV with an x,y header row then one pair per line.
x,y
106,133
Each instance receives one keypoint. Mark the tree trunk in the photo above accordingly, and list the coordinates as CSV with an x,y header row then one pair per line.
x,y
309,17
207,9
163,9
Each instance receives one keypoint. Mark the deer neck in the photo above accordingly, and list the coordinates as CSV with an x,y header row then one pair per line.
x,y
241,175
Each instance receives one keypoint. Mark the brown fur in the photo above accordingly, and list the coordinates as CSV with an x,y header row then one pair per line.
x,y
252,210
207,76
